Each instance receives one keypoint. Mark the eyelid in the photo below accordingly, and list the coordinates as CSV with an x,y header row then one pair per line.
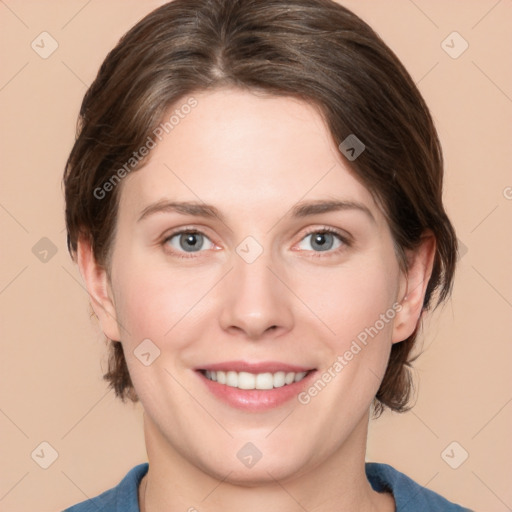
x,y
328,229
186,229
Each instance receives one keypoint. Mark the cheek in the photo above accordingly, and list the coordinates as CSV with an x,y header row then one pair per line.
x,y
352,299
163,306
153,301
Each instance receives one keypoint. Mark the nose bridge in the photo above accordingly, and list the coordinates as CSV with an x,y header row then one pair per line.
x,y
257,301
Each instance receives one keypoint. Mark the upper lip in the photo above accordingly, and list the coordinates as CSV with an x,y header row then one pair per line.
x,y
260,367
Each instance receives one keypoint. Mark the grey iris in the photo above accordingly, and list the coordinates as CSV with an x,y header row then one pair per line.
x,y
191,241
322,241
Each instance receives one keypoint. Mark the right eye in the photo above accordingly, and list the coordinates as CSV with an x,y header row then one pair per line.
x,y
188,241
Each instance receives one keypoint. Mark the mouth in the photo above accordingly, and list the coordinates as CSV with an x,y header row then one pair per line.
x,y
255,386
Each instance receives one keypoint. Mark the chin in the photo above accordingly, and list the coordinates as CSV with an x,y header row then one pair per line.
x,y
240,470
261,474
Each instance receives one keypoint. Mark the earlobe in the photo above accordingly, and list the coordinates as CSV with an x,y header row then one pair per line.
x,y
97,284
415,281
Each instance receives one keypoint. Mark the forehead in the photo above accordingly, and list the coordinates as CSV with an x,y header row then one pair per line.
x,y
257,152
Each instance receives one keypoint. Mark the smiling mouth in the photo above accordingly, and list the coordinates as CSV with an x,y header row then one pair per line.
x,y
260,381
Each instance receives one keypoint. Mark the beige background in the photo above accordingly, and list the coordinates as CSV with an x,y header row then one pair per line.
x,y
53,354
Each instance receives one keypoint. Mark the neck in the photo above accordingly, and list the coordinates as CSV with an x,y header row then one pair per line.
x,y
338,484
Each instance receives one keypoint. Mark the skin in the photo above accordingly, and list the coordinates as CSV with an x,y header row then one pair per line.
x,y
254,157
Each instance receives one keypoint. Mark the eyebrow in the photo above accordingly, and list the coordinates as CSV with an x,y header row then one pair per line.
x,y
305,209
183,207
300,210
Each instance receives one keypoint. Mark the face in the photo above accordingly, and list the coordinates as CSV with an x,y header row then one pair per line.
x,y
263,278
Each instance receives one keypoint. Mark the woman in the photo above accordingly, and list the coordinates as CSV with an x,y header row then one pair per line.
x,y
254,203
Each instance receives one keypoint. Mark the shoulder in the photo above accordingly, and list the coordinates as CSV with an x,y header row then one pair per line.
x,y
409,496
122,498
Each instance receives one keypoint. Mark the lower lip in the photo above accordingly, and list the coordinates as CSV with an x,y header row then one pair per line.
x,y
256,400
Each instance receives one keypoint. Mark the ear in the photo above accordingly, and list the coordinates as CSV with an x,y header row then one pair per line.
x,y
413,286
100,292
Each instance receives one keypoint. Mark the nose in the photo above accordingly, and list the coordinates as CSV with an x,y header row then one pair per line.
x,y
255,302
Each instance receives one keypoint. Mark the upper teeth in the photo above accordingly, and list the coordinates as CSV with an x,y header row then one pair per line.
x,y
245,380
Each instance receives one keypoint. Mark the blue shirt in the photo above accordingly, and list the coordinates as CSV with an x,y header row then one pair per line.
x,y
409,496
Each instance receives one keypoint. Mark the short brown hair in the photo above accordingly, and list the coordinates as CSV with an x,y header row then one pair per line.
x,y
314,50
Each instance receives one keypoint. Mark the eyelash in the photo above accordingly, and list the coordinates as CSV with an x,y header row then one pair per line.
x,y
315,254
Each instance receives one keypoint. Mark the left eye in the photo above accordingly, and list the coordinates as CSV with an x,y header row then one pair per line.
x,y
321,241
189,241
